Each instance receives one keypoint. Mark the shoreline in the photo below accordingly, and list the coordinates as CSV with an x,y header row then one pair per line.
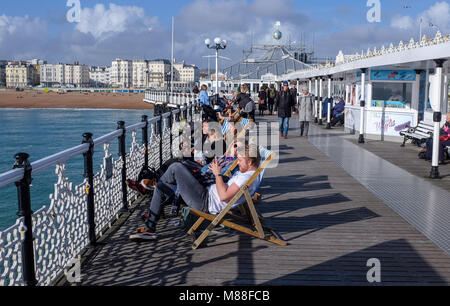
x,y
10,99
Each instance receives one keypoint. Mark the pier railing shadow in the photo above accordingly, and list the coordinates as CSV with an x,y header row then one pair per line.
x,y
400,264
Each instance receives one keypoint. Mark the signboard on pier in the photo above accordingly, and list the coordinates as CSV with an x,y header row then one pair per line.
x,y
393,75
388,124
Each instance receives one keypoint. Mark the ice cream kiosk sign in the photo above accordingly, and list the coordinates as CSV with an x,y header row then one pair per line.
x,y
389,124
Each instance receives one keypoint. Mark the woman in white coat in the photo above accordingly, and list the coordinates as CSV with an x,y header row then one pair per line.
x,y
305,108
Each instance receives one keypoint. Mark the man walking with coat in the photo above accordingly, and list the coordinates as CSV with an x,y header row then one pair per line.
x,y
305,111
284,103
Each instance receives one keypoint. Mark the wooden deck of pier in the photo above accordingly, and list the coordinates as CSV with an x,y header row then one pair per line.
x,y
332,223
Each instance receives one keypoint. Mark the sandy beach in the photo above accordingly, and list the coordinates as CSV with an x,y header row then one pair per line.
x,y
37,99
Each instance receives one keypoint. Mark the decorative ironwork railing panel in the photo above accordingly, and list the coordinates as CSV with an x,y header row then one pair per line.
x,y
108,191
11,272
60,230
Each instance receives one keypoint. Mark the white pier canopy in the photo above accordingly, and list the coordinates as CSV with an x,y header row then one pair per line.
x,y
396,86
264,65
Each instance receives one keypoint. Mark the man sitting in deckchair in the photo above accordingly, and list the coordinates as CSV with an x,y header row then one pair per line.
x,y
210,199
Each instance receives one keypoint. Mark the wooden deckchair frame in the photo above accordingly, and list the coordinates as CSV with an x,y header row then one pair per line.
x,y
254,228
239,135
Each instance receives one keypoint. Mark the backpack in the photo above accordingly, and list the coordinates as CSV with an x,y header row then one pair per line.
x,y
423,154
272,93
148,174
189,220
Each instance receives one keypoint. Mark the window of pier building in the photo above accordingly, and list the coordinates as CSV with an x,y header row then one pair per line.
x,y
392,95
392,88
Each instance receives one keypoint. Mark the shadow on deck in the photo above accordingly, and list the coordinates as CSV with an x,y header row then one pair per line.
x,y
332,223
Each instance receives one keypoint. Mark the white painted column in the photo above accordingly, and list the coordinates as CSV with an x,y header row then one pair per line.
x,y
437,92
329,103
316,97
320,100
363,105
309,86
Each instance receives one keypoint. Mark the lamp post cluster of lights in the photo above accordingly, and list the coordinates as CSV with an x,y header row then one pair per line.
x,y
219,44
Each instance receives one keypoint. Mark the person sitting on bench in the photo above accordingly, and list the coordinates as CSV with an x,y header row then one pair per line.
x,y
210,199
444,141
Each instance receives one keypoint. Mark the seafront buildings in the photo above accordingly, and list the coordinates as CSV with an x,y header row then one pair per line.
x,y
21,74
64,74
152,73
123,73
2,75
100,76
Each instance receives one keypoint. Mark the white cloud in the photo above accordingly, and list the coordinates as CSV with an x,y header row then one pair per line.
x,y
102,22
439,15
402,22
20,37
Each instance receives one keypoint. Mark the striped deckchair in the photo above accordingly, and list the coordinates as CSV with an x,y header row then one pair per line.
x,y
250,225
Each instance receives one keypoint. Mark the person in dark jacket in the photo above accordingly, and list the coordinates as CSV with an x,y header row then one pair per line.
x,y
242,99
284,107
262,101
338,113
271,95
293,91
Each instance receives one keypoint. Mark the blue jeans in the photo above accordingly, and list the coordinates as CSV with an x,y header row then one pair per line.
x,y
193,193
284,125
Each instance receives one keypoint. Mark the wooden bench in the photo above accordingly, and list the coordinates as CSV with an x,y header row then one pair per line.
x,y
418,134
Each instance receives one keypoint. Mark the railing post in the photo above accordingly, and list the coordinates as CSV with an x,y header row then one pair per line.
x,y
122,153
161,137
145,139
23,193
89,174
170,132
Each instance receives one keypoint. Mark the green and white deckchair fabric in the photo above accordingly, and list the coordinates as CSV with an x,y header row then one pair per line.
x,y
250,225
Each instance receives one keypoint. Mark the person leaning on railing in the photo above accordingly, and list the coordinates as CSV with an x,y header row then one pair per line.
x,y
210,199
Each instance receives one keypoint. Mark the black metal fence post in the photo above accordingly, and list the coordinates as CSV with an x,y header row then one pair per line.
x,y
145,139
89,174
160,131
23,194
185,112
170,118
122,153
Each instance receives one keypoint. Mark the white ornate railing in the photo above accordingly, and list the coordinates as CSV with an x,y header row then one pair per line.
x,y
439,39
173,99
61,230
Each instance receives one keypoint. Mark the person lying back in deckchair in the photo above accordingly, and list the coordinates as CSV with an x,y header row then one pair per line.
x,y
210,199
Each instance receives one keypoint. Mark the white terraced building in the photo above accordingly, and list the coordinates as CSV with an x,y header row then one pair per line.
x,y
64,74
100,76
121,73
152,74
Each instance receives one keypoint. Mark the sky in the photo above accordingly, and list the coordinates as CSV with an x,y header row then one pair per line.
x,y
141,29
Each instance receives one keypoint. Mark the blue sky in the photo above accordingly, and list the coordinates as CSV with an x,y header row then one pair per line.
x,y
139,28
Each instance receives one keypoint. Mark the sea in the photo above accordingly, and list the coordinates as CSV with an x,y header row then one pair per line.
x,y
44,132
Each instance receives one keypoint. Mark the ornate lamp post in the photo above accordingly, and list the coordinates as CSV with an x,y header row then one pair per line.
x,y
219,44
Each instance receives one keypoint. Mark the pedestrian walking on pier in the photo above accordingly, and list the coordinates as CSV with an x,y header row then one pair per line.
x,y
262,101
305,108
284,104
271,95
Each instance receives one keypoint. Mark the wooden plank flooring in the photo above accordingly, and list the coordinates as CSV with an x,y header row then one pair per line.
x,y
332,223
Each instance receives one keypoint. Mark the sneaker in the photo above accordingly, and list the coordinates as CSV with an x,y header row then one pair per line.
x,y
143,235
136,186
